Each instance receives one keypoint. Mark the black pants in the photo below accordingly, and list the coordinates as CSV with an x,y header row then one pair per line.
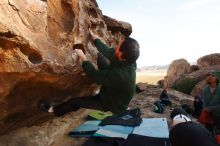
x,y
73,104
89,102
198,106
215,128
216,124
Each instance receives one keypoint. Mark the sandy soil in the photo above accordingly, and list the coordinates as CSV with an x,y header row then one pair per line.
x,y
149,77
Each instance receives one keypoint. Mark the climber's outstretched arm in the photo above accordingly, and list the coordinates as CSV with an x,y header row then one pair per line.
x,y
102,48
102,77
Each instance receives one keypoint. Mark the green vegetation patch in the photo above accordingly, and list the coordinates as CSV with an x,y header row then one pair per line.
x,y
185,86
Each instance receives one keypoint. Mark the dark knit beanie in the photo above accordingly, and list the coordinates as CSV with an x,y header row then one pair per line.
x,y
130,50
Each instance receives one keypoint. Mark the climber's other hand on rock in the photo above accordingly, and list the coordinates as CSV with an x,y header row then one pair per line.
x,y
81,55
93,36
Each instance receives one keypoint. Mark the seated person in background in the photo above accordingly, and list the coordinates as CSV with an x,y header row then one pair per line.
x,y
159,106
165,98
198,103
211,103
186,133
117,80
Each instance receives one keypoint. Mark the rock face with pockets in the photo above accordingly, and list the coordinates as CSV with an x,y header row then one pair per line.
x,y
37,58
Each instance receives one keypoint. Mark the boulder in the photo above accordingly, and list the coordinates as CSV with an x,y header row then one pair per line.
x,y
117,26
145,101
187,82
194,68
199,87
181,97
160,83
209,60
140,87
176,69
52,133
199,75
37,58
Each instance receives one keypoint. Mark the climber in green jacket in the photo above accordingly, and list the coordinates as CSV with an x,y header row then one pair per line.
x,y
211,95
117,79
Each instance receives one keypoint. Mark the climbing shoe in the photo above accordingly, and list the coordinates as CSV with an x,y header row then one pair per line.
x,y
44,105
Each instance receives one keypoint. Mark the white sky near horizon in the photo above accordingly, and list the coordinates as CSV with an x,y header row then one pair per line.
x,y
169,29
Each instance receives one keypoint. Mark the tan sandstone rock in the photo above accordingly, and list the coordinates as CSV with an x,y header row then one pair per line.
x,y
199,88
176,69
209,60
198,75
37,58
189,83
51,133
145,101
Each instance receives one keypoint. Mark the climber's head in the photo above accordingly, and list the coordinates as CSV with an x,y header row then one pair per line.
x,y
213,81
127,50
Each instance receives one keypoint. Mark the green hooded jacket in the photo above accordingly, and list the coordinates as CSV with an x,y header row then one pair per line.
x,y
118,81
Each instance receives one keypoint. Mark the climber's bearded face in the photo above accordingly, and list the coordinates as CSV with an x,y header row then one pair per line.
x,y
118,52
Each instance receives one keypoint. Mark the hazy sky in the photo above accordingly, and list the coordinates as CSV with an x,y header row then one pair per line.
x,y
169,29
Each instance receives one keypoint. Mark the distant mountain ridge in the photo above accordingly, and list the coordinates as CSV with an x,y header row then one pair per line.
x,y
158,68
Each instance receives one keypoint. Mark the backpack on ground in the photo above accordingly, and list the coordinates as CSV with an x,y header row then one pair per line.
x,y
158,107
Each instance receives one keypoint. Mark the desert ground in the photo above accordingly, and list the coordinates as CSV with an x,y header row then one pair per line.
x,y
150,77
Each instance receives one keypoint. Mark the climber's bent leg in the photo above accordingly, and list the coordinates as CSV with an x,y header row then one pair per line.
x,y
73,104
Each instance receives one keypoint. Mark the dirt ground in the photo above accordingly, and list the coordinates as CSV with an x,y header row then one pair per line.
x,y
55,132
149,78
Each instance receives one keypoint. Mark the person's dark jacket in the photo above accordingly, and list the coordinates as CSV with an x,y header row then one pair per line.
x,y
212,100
164,95
191,134
118,81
